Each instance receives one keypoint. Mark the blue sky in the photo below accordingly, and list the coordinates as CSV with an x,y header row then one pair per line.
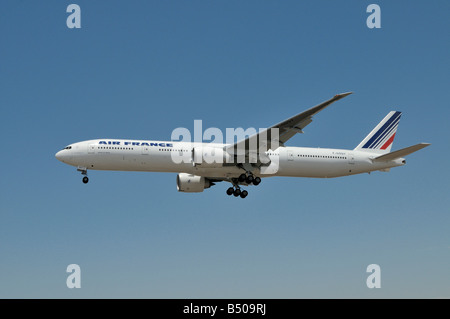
x,y
139,69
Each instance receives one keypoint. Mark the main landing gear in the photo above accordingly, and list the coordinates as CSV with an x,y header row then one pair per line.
x,y
83,171
243,178
236,191
249,179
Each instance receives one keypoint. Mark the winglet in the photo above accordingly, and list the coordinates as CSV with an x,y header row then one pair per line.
x,y
341,95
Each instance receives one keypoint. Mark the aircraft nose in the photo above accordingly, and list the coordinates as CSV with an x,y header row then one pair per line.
x,y
63,156
58,155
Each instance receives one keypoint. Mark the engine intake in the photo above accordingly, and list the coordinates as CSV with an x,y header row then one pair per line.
x,y
192,183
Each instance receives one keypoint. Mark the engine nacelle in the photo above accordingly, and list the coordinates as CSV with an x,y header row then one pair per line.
x,y
207,156
192,183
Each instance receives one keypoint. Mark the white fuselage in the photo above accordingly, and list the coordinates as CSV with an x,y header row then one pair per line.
x,y
157,156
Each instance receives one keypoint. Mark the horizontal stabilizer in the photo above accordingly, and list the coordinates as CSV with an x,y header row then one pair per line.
x,y
400,153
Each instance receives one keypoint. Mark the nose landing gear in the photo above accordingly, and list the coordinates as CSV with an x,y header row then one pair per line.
x,y
83,171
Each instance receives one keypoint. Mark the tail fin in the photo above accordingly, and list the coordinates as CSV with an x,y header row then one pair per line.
x,y
382,136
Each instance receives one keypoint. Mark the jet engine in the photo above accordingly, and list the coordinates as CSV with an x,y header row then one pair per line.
x,y
192,183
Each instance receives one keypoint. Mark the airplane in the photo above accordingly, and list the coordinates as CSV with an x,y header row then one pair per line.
x,y
238,165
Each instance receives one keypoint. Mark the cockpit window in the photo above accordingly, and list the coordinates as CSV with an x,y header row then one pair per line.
x,y
67,147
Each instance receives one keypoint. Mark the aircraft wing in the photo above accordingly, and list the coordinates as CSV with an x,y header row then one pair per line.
x,y
286,129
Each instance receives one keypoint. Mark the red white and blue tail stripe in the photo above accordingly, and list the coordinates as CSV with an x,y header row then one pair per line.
x,y
382,136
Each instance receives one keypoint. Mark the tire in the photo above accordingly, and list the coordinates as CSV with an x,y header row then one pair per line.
x,y
244,194
237,192
257,181
242,178
85,180
230,191
249,179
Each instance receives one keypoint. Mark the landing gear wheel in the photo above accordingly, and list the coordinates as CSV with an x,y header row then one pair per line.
x,y
85,179
257,181
249,179
237,192
230,191
242,177
244,194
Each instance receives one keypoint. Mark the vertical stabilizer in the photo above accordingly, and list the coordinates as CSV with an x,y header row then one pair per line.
x,y
382,136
